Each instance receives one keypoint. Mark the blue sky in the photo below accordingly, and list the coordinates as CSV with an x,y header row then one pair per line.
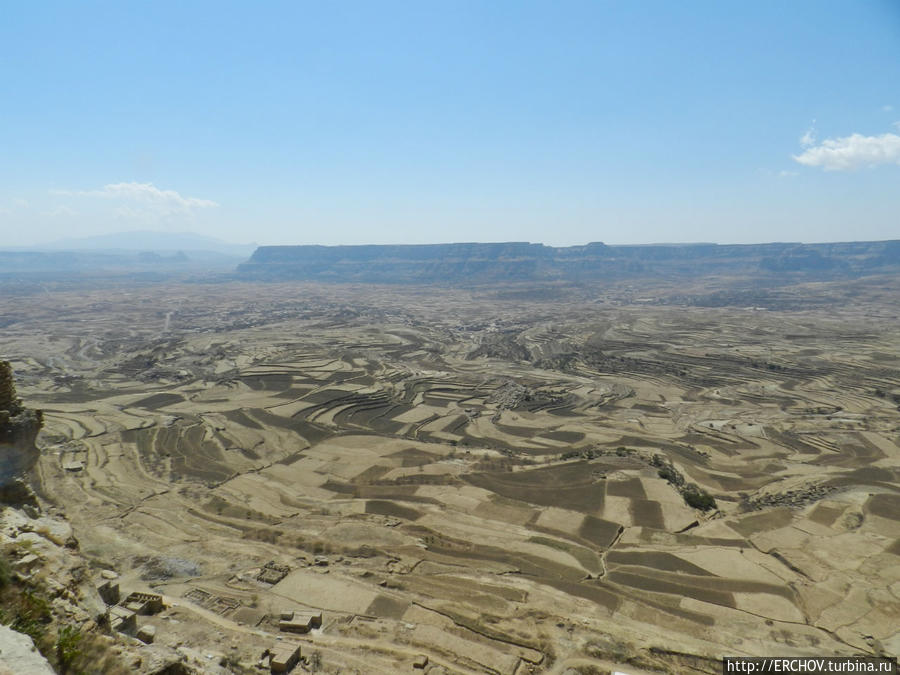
x,y
412,122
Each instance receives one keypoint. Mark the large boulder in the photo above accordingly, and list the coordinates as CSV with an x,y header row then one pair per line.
x,y
19,656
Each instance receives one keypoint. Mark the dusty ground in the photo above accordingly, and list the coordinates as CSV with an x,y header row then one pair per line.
x,y
475,474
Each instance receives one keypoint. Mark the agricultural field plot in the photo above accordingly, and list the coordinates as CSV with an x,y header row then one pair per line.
x,y
502,486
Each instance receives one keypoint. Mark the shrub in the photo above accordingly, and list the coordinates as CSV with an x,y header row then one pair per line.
x,y
699,499
68,647
5,572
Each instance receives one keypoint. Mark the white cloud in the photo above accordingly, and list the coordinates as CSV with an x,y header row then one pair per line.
x,y
809,138
132,204
852,152
784,173
150,197
887,108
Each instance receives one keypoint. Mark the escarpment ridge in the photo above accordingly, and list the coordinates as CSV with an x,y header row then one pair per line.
x,y
522,261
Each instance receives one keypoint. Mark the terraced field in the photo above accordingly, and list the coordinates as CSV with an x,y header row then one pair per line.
x,y
504,487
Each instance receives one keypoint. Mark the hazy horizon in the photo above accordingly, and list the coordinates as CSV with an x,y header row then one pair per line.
x,y
83,242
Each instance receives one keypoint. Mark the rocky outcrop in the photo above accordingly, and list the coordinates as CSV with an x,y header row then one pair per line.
x,y
19,428
520,261
47,580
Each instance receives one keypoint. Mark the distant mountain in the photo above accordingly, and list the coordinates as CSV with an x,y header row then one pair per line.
x,y
518,261
148,240
141,255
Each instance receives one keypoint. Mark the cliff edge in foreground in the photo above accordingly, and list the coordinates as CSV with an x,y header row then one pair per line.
x,y
19,428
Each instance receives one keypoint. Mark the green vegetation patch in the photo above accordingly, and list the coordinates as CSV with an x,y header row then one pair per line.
x,y
388,508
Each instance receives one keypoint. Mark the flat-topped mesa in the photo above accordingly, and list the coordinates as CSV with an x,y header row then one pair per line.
x,y
373,252
522,261
414,263
19,428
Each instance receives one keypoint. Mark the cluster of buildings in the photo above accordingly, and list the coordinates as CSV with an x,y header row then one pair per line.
x,y
122,615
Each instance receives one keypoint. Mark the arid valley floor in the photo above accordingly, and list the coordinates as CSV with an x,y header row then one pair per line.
x,y
491,477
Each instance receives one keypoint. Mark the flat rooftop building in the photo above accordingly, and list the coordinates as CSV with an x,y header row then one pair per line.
x,y
109,592
143,603
299,622
284,657
122,619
